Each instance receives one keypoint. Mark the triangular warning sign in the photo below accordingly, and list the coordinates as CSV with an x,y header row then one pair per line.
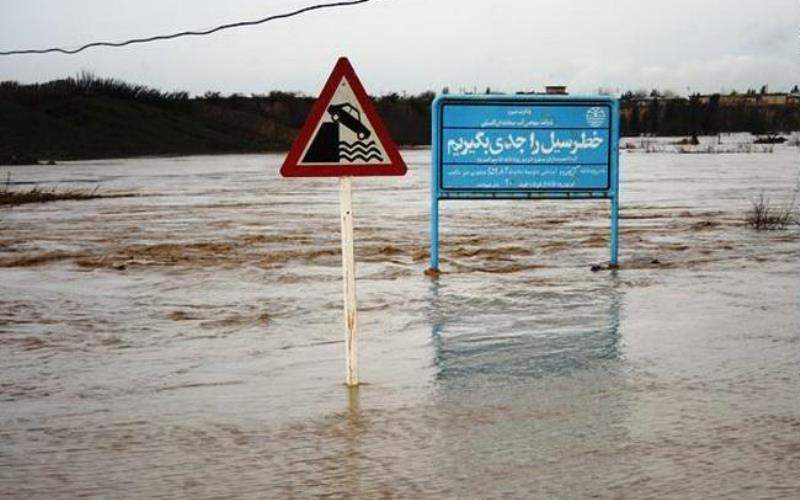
x,y
343,135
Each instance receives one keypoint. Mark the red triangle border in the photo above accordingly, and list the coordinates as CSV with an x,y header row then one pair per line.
x,y
395,166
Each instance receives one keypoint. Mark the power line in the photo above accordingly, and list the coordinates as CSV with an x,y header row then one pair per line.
x,y
184,33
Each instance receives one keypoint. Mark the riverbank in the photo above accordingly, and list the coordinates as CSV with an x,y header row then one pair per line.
x,y
87,118
92,118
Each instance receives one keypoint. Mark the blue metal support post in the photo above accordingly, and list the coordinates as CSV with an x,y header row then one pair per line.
x,y
615,131
614,229
434,189
434,234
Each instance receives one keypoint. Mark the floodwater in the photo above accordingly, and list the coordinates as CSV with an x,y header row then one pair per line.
x,y
188,342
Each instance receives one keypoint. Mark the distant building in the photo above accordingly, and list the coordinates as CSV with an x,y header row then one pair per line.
x,y
768,99
548,90
734,99
772,99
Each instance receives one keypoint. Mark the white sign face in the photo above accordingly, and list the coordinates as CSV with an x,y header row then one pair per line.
x,y
345,134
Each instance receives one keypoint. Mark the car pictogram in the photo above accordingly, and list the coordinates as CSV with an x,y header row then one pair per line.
x,y
350,117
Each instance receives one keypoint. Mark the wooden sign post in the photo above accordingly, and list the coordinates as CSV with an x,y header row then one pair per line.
x,y
349,281
344,137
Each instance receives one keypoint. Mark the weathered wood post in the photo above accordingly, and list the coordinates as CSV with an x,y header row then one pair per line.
x,y
349,281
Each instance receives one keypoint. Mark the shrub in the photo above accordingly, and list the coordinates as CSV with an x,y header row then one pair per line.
x,y
765,217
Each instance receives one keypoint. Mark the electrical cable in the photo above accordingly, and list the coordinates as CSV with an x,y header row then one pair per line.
x,y
184,33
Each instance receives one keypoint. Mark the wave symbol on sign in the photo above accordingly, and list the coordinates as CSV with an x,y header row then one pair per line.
x,y
359,150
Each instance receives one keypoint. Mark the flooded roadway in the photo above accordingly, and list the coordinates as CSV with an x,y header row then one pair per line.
x,y
187,342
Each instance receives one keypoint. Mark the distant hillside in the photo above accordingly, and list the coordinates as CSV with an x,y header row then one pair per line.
x,y
757,113
88,117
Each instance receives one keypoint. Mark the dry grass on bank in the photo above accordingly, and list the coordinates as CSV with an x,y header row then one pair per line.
x,y
13,197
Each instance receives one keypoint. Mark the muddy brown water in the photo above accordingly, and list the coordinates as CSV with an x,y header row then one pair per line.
x,y
187,342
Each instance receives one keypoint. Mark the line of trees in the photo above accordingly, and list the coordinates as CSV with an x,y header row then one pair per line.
x,y
676,116
90,117
87,84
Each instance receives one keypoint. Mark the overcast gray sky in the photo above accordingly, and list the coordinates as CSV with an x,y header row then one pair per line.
x,y
416,45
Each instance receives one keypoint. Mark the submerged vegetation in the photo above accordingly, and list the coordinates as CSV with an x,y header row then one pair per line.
x,y
647,145
13,197
39,195
764,216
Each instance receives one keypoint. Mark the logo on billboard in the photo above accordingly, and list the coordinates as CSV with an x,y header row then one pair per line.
x,y
596,116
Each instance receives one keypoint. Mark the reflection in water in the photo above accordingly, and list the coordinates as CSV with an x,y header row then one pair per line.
x,y
354,427
518,402
563,330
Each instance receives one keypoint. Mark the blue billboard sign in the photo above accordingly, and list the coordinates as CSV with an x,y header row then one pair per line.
x,y
527,146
